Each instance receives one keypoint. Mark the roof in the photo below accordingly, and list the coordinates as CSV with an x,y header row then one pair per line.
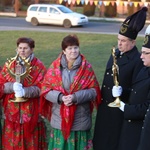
x,y
46,5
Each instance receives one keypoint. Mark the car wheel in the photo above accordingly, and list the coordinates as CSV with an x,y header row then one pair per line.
x,y
34,22
67,23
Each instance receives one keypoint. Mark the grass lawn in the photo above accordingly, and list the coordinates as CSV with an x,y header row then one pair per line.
x,y
96,47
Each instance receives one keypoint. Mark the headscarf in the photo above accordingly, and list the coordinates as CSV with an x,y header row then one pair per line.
x,y
27,111
84,79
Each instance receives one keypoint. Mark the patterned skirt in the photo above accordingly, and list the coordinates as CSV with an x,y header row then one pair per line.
x,y
13,137
78,140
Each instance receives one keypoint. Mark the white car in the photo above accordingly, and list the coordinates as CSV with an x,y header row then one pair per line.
x,y
54,14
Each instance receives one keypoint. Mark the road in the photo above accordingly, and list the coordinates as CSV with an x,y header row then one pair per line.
x,y
9,23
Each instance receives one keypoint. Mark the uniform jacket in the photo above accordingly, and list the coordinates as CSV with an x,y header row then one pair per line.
x,y
144,143
109,120
135,111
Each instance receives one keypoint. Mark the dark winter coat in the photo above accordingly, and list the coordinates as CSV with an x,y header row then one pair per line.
x,y
135,111
145,134
109,120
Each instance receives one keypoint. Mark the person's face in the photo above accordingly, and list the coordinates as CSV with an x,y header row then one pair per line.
x,y
145,56
71,52
124,43
24,50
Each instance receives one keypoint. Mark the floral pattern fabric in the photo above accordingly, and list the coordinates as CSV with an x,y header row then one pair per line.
x,y
84,79
78,140
35,142
21,130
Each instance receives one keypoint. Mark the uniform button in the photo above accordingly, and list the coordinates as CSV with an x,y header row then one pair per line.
x,y
147,109
131,89
135,92
142,127
107,73
108,87
129,120
104,85
111,74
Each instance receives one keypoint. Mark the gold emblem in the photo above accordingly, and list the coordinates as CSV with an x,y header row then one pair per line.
x,y
123,29
145,40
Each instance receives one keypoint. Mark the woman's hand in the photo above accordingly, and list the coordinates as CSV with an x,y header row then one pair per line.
x,y
68,100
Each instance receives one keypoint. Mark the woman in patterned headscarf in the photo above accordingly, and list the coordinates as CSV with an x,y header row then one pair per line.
x,y
69,92
23,128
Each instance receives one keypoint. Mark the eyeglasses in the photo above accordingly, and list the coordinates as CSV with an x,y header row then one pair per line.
x,y
145,53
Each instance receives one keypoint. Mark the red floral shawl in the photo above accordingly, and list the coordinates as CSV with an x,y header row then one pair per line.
x,y
29,110
84,79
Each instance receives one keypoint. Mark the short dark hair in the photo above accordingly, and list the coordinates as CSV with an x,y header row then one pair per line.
x,y
29,41
69,40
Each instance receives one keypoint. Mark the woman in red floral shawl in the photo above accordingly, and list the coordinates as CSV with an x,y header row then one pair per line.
x,y
23,129
69,92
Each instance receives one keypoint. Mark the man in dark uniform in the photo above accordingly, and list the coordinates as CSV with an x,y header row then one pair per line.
x,y
144,143
109,119
139,100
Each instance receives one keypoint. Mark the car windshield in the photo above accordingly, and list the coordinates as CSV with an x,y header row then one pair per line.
x,y
65,9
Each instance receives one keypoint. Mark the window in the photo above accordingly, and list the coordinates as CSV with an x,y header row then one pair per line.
x,y
65,9
34,8
53,11
43,9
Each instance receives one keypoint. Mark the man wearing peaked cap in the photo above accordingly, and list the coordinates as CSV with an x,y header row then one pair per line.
x,y
133,24
109,120
144,143
135,110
